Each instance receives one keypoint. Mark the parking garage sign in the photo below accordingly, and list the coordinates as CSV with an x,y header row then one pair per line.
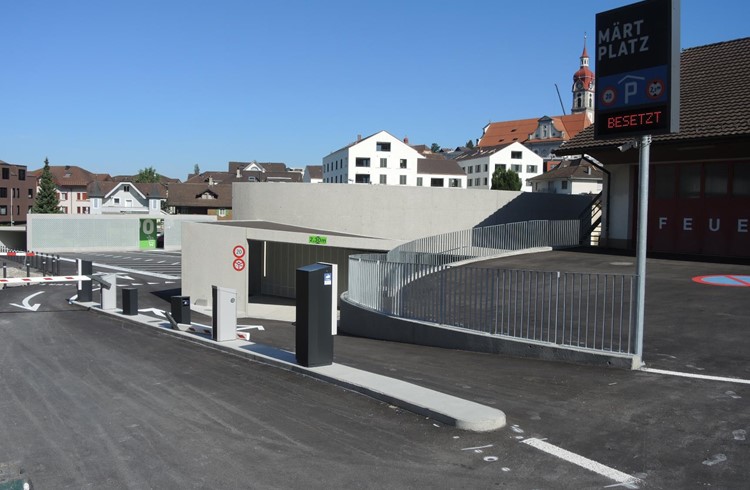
x,y
637,70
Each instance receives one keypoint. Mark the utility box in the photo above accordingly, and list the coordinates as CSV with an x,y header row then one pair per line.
x,y
109,292
129,301
180,309
313,335
224,314
85,294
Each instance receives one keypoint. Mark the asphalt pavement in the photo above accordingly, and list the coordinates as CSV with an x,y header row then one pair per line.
x,y
665,431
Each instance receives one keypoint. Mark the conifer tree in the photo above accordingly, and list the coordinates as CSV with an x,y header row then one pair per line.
x,y
47,200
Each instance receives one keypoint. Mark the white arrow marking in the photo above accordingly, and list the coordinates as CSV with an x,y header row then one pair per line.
x,y
124,276
155,311
26,305
250,327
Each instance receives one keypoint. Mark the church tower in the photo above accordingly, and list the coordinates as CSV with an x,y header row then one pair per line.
x,y
583,87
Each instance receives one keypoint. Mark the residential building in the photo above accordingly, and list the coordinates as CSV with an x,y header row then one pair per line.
x,y
110,197
377,159
480,163
201,198
17,193
248,172
437,172
72,182
545,134
699,193
313,174
577,176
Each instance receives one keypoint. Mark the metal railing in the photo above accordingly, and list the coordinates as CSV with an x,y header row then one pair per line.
x,y
590,311
487,241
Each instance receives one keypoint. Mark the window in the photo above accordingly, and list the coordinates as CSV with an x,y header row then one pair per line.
x,y
362,178
468,183
383,179
63,196
485,181
31,193
126,188
3,210
6,173
516,168
717,179
477,169
485,167
531,169
454,182
419,181
362,162
564,184
477,181
402,179
21,174
500,165
402,163
436,182
116,201
516,155
741,180
382,146
383,162
82,196
3,192
690,180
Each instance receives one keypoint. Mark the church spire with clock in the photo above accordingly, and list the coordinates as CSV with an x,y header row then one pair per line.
x,y
583,87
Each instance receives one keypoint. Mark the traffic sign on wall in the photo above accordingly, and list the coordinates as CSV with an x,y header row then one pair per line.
x,y
638,70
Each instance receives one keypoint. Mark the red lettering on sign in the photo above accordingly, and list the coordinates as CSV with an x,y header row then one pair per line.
x,y
634,120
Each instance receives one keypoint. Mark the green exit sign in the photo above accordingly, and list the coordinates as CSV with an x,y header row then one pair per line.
x,y
317,240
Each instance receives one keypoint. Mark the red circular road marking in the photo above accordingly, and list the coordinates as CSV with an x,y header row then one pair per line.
x,y
727,280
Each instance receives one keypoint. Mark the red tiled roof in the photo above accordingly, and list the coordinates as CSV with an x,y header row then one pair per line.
x,y
71,175
509,131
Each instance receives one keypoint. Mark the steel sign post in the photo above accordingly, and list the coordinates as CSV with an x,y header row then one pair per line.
x,y
638,94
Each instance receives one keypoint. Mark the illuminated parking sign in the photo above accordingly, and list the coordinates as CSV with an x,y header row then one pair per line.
x,y
637,70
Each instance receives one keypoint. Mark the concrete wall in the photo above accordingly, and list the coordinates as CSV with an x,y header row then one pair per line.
x,y
397,213
60,232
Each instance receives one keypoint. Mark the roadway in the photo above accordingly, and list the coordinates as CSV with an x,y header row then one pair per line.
x,y
92,401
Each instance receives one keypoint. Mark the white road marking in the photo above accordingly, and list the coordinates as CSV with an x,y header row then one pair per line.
x,y
586,463
26,305
697,376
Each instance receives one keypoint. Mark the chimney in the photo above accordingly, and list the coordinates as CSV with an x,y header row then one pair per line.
x,y
210,181
239,173
359,138
406,140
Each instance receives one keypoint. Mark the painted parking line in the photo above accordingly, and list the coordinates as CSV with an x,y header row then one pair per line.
x,y
623,479
696,376
731,280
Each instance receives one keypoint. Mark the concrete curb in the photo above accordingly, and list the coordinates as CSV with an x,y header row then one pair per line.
x,y
448,409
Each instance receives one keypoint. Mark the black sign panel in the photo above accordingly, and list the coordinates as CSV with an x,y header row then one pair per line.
x,y
637,70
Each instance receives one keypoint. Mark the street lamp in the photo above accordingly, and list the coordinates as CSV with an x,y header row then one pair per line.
x,y
12,191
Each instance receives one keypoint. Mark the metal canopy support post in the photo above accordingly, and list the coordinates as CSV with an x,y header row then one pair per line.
x,y
643,163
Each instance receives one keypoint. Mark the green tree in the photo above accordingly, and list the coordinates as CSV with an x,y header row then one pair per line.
x,y
196,169
435,148
505,180
470,144
47,200
147,175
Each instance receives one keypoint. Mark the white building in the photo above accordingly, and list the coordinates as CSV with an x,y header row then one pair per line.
x,y
440,173
125,197
578,176
313,174
378,159
480,163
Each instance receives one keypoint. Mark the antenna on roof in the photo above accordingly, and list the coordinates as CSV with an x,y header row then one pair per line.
x,y
561,104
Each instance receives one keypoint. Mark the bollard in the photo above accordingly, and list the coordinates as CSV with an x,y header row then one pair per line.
x,y
85,268
224,317
5,274
109,292
181,309
129,301
314,340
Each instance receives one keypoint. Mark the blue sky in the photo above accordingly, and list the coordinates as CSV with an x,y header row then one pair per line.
x,y
115,86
